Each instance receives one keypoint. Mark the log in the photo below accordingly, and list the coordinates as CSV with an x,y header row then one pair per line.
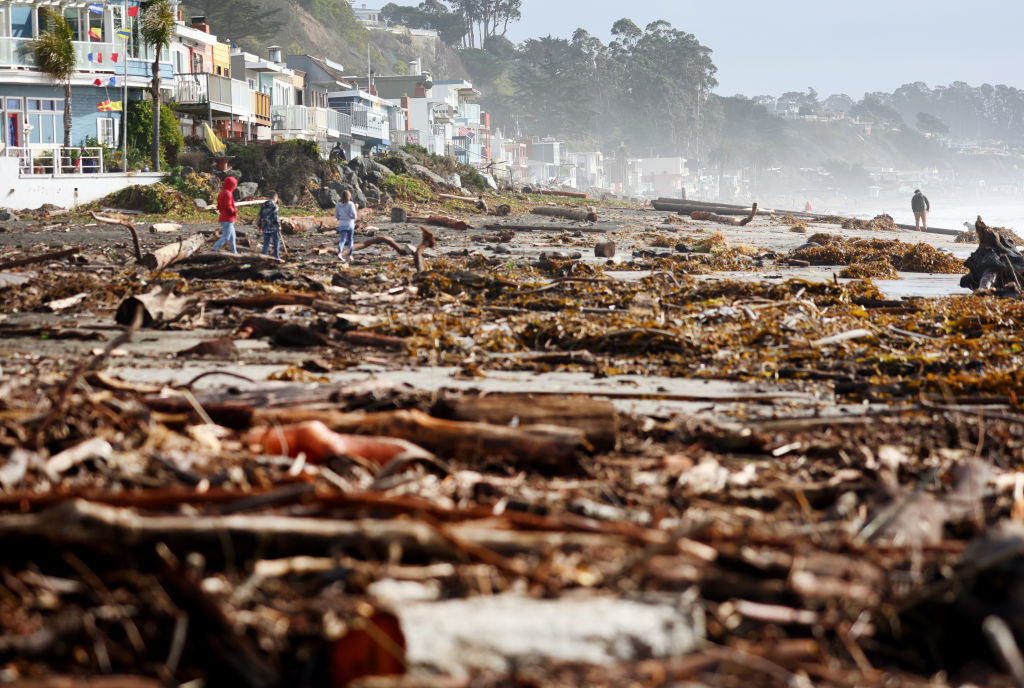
x,y
39,258
597,418
537,446
442,221
714,217
167,227
996,264
564,194
122,220
578,214
172,253
381,240
453,197
106,528
305,224
266,301
596,229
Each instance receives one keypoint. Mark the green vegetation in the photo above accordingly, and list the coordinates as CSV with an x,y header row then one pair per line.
x,y
157,27
286,167
405,188
140,132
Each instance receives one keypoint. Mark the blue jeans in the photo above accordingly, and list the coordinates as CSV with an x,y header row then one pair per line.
x,y
227,234
274,237
347,236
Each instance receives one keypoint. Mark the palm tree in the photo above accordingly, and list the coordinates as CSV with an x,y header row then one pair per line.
x,y
157,30
55,56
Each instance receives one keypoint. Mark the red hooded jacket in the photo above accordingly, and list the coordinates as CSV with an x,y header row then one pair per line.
x,y
226,201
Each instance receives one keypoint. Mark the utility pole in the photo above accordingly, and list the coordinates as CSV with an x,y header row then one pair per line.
x,y
124,91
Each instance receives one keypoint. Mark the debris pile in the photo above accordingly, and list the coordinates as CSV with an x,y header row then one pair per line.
x,y
830,249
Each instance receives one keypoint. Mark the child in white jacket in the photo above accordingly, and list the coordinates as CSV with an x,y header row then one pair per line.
x,y
345,211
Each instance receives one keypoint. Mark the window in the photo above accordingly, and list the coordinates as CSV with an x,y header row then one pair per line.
x,y
74,17
106,131
46,120
95,23
21,22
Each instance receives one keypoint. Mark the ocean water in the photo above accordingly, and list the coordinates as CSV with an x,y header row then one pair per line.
x,y
996,212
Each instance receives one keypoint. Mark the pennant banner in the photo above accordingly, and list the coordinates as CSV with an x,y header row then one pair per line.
x,y
123,33
133,11
96,8
96,33
109,106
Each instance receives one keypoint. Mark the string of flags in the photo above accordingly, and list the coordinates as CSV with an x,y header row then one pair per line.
x,y
109,106
98,57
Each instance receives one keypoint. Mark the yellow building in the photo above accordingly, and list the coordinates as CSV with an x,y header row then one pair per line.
x,y
222,59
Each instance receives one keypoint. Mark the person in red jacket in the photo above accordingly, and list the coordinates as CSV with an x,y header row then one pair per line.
x,y
228,214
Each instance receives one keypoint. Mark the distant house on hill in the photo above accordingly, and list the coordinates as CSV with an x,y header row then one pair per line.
x,y
366,15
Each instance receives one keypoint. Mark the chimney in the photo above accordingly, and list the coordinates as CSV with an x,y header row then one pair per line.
x,y
405,101
373,89
274,52
420,91
200,24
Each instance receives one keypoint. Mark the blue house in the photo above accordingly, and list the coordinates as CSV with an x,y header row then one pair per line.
x,y
111,58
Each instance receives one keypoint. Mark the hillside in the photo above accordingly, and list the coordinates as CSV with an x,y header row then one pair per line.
x,y
325,28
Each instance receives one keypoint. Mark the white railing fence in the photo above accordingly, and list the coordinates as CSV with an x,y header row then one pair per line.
x,y
56,160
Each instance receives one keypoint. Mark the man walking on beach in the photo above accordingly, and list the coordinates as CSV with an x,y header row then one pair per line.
x,y
920,205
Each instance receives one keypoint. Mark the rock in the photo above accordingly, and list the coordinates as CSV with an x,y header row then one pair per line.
x,y
200,203
347,174
454,180
423,173
605,249
326,197
246,190
399,214
376,197
7,216
364,166
684,248
809,244
501,249
376,177
338,186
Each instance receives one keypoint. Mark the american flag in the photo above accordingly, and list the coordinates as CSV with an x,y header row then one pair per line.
x,y
466,132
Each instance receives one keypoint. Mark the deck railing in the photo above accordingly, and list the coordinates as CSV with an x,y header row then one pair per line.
x,y
56,160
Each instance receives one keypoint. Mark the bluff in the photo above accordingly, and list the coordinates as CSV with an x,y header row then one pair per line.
x,y
324,28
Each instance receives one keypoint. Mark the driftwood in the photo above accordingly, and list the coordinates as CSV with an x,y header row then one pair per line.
x,y
305,224
578,214
997,264
172,253
120,219
264,301
597,418
40,258
441,221
166,227
564,194
453,197
714,217
595,229
428,240
549,446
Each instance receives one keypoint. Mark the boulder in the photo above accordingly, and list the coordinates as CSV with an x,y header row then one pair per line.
x,y
423,173
246,190
454,180
7,216
377,197
326,197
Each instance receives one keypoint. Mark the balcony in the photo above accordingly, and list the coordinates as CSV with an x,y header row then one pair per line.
x,y
259,107
223,95
299,121
14,53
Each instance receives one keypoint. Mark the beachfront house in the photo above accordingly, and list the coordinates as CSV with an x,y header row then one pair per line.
x,y
207,90
112,59
317,121
372,119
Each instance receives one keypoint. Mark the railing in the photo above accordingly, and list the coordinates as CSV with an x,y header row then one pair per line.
x,y
14,53
366,122
259,105
312,121
56,160
289,118
198,88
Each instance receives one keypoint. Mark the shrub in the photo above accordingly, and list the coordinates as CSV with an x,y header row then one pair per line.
x,y
406,188
140,132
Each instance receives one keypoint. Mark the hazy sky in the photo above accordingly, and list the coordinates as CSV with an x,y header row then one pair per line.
x,y
856,46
